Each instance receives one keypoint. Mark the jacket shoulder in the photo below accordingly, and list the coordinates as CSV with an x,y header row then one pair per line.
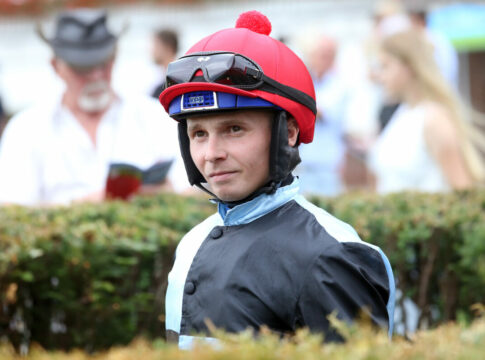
x,y
199,232
336,228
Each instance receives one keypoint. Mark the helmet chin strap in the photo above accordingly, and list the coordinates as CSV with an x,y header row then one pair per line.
x,y
283,159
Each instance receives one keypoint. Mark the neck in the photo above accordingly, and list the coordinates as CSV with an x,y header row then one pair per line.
x,y
269,188
259,204
413,95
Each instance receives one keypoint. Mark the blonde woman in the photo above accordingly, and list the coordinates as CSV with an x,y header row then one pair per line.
x,y
427,145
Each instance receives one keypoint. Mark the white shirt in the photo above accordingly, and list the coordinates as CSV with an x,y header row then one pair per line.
x,y
400,157
321,159
46,157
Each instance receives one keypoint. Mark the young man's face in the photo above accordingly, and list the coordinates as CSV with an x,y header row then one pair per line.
x,y
231,150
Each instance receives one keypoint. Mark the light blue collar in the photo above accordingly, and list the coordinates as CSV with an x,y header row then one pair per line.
x,y
259,206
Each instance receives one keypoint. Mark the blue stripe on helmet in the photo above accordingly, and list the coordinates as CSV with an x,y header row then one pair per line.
x,y
196,101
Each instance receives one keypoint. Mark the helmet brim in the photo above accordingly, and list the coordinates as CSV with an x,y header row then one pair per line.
x,y
172,92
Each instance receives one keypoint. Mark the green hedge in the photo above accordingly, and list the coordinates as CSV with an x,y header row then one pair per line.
x,y
449,341
89,276
93,276
435,243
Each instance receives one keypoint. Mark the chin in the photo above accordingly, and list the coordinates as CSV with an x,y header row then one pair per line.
x,y
228,195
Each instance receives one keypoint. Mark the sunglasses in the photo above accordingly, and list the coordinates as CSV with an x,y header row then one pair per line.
x,y
233,70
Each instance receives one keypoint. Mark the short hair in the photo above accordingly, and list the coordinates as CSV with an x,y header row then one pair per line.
x,y
169,38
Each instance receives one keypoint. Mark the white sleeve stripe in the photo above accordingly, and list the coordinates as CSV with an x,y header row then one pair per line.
x,y
392,292
185,253
343,232
339,230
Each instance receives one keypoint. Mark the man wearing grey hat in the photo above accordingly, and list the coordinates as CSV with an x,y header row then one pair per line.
x,y
60,152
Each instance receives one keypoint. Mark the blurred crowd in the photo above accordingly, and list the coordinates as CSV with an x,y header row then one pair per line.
x,y
422,135
424,139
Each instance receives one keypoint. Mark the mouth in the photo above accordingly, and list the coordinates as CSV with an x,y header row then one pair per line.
x,y
221,175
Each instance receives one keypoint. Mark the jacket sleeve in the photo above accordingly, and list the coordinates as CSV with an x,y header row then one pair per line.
x,y
346,278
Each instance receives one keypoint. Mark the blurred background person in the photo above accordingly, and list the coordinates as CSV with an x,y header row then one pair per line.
x,y
391,17
427,144
368,107
60,151
3,117
445,54
322,159
165,46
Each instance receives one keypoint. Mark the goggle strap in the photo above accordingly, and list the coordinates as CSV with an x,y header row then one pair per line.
x,y
288,92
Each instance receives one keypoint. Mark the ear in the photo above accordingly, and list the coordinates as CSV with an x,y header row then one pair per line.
x,y
293,131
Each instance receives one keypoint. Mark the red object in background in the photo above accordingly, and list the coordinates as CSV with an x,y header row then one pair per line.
x,y
124,180
122,186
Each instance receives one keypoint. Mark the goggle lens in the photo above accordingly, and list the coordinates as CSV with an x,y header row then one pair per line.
x,y
222,68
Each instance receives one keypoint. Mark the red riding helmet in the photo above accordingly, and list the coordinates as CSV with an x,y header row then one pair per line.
x,y
243,68
250,38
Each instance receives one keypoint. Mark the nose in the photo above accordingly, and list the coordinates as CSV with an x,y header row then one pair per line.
x,y
96,73
214,150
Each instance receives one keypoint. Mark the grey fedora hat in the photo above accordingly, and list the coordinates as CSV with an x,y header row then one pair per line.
x,y
82,38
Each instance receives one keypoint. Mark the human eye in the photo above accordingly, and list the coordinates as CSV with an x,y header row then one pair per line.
x,y
235,128
198,134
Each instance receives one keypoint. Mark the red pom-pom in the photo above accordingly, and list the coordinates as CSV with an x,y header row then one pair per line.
x,y
254,21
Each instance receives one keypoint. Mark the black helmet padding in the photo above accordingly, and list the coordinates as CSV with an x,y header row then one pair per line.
x,y
283,157
193,174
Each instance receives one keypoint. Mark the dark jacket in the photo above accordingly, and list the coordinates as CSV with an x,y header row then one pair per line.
x,y
278,261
